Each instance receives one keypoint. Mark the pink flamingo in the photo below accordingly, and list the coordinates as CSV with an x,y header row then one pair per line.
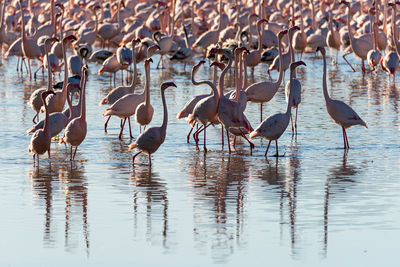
x,y
339,111
264,91
76,130
41,139
275,125
152,138
126,106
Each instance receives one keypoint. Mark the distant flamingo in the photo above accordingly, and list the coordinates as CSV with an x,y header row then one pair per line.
x,y
374,56
359,46
75,132
144,111
264,91
126,106
29,46
275,125
340,112
152,138
41,139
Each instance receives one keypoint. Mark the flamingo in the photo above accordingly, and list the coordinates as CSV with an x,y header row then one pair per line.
x,y
211,36
41,139
107,31
126,106
121,91
56,102
190,105
144,111
110,65
206,108
300,37
152,138
264,91
230,113
58,120
293,86
339,111
333,37
275,125
390,61
374,56
75,132
359,46
29,46
253,58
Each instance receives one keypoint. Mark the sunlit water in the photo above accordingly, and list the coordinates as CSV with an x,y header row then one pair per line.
x,y
316,205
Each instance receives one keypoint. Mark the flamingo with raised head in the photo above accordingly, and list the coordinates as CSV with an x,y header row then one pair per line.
x,y
152,138
275,125
76,130
264,91
339,111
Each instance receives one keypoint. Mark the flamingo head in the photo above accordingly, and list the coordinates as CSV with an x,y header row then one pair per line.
x,y
72,88
60,6
166,85
135,42
214,51
147,61
296,64
294,29
220,65
281,34
345,3
321,49
392,5
123,3
69,38
262,21
49,41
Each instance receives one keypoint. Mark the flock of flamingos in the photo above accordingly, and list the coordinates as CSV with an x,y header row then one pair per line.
x,y
234,35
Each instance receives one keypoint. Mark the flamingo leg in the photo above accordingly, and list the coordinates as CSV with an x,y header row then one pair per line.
x,y
70,153
134,156
266,151
291,120
222,135
234,142
195,135
261,104
344,57
26,67
150,160
122,128
130,130
276,146
363,67
204,144
229,143
73,158
41,67
295,120
18,63
34,160
48,152
105,125
29,65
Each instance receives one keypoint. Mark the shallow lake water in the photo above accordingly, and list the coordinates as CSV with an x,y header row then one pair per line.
x,y
315,206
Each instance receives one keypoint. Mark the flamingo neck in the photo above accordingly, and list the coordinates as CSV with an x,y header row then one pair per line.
x,y
324,86
222,77
237,75
385,17
69,105
394,28
301,18
165,118
349,27
214,91
215,72
289,104
244,72
134,80
96,22
3,9
61,26
278,82
172,25
53,18
374,33
23,23
192,21
147,87
314,27
250,33
83,99
49,80
46,128
291,51
259,49
65,66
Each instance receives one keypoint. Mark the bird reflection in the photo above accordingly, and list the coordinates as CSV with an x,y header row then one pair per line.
x,y
219,188
338,181
151,190
70,181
